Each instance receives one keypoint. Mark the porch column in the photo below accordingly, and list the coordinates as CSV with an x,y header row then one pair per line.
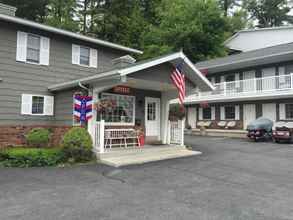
x,y
165,106
92,122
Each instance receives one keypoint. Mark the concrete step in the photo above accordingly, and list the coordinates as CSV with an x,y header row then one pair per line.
x,y
118,152
146,157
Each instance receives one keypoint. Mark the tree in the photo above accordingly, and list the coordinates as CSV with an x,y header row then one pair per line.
x,y
269,13
34,10
61,14
196,26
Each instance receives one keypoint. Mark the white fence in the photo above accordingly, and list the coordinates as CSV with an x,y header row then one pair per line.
x,y
176,132
249,86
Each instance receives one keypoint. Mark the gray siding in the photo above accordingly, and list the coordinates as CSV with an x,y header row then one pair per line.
x,y
19,78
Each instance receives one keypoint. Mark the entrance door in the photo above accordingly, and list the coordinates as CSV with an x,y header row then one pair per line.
x,y
249,114
269,111
152,117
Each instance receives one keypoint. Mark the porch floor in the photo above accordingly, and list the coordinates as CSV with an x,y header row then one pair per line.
x,y
130,156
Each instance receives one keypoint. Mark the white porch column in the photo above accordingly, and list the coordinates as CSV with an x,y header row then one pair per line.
x,y
92,122
165,106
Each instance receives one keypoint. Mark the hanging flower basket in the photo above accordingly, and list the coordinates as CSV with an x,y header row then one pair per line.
x,y
105,105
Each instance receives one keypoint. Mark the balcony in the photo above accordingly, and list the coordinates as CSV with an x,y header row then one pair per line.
x,y
250,89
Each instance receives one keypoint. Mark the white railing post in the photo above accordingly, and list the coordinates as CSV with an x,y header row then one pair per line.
x,y
169,132
102,136
225,88
182,132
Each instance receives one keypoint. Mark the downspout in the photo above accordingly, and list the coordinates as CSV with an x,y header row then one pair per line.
x,y
82,86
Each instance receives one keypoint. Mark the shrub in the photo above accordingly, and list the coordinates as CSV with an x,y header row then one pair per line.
x,y
38,137
77,145
31,157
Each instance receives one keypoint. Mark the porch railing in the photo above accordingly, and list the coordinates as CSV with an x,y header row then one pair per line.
x,y
176,132
254,86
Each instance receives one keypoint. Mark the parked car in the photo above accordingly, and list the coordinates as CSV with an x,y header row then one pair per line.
x,y
260,129
283,131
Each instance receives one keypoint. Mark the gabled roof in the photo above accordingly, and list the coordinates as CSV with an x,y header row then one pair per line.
x,y
70,34
252,39
194,75
263,56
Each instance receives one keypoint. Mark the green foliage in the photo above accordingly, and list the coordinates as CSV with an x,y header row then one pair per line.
x,y
195,26
269,13
38,137
176,113
61,13
31,157
77,145
33,10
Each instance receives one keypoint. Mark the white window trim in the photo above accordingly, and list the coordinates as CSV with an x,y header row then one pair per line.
x,y
122,123
44,107
236,118
40,55
285,118
90,57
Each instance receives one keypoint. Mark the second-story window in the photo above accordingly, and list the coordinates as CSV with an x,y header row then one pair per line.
x,y
33,48
84,56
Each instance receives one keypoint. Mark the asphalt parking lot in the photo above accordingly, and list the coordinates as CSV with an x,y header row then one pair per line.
x,y
232,180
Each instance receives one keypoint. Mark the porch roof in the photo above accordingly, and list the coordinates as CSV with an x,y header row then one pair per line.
x,y
191,72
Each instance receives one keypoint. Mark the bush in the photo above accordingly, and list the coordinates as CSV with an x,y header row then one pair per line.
x,y
38,137
77,145
31,157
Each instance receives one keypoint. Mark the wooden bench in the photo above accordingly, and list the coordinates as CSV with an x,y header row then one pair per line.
x,y
121,137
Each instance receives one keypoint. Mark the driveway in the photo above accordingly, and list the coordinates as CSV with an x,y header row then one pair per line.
x,y
232,179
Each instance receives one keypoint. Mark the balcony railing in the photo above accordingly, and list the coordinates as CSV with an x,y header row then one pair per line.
x,y
248,87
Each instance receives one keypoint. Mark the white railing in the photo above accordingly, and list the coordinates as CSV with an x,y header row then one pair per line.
x,y
176,132
100,136
252,86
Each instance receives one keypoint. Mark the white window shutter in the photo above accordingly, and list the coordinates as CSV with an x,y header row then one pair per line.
x,y
200,116
26,104
21,46
45,51
237,112
222,113
213,112
93,58
75,54
49,105
282,111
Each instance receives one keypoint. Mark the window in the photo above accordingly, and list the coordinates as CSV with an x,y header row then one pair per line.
x,y
37,105
289,111
207,113
84,56
151,111
33,48
119,109
230,112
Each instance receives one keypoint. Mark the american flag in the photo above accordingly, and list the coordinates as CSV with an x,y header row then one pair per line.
x,y
178,79
83,107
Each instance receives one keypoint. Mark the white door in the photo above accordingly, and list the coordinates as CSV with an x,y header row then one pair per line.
x,y
191,116
249,84
152,117
249,114
269,111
